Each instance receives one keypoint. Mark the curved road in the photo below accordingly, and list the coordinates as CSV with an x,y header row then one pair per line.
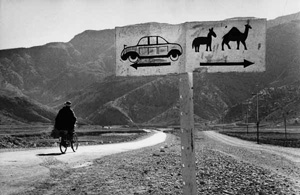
x,y
282,160
292,154
20,169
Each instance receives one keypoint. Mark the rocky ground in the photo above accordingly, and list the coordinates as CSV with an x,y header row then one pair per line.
x,y
156,171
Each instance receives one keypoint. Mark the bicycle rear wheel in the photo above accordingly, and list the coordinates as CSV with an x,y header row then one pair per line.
x,y
74,142
62,146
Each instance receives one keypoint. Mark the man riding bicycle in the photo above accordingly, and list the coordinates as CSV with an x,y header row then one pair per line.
x,y
65,120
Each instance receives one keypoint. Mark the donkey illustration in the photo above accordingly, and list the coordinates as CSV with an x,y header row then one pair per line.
x,y
235,35
204,41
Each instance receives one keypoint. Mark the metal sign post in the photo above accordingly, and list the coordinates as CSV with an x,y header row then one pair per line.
x,y
187,133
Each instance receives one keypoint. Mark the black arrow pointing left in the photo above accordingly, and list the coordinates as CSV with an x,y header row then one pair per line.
x,y
136,66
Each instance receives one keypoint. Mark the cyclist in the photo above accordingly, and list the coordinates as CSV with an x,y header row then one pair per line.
x,y
65,120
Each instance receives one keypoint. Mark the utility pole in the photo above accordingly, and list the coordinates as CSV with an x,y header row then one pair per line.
x,y
223,121
247,117
257,124
284,119
257,117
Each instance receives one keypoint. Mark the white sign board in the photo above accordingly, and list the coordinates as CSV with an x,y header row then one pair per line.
x,y
226,46
237,45
149,49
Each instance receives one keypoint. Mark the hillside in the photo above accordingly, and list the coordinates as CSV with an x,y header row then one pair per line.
x,y
283,19
155,99
48,73
82,71
273,103
283,52
21,110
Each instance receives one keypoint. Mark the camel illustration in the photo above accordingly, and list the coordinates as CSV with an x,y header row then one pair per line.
x,y
204,41
235,35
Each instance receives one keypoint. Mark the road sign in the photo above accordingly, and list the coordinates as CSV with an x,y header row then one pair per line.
x,y
235,45
149,49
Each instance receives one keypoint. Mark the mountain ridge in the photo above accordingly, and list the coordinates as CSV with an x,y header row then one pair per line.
x,y
82,70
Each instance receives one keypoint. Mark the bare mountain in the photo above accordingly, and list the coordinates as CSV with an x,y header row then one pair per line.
x,y
283,20
48,73
273,103
155,99
283,53
15,109
81,70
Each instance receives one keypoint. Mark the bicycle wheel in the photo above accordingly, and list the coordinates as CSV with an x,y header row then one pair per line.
x,y
74,142
62,147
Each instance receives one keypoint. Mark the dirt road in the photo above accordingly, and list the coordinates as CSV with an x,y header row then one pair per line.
x,y
282,160
225,165
20,169
292,154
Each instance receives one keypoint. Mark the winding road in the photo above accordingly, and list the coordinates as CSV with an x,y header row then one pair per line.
x,y
292,154
282,160
20,169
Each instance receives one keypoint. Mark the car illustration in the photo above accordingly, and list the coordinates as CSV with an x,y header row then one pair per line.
x,y
151,47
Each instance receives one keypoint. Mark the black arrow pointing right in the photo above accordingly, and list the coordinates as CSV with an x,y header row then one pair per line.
x,y
245,63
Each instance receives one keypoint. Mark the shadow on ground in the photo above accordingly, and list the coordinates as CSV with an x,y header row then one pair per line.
x,y
50,154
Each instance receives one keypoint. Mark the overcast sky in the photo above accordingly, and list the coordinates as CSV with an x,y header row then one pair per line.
x,y
26,23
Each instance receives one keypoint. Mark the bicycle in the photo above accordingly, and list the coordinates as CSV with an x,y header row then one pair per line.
x,y
65,142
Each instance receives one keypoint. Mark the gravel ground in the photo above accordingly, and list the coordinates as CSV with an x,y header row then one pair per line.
x,y
156,171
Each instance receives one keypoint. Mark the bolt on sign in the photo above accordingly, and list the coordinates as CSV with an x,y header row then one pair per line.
x,y
235,45
149,49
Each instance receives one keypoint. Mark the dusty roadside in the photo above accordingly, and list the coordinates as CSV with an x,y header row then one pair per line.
x,y
21,169
156,170
283,160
